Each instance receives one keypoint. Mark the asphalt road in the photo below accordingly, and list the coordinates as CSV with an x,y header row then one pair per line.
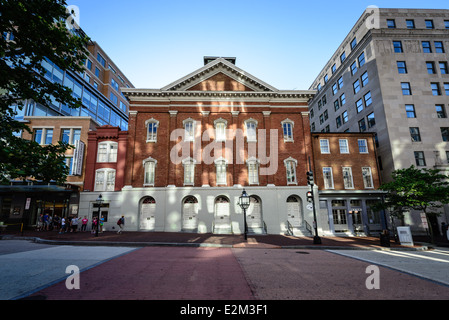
x,y
35,271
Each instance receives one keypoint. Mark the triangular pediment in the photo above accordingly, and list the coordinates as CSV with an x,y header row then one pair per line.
x,y
220,75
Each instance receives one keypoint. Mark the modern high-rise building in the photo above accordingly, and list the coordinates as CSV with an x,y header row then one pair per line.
x,y
390,76
99,88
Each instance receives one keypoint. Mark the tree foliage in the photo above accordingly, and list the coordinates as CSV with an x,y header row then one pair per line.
x,y
34,30
424,190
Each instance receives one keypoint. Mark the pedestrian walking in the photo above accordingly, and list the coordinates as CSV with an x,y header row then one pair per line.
x,y
40,222
84,224
74,225
121,224
63,226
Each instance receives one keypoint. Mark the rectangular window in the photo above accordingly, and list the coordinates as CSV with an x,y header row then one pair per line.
x,y
344,116
367,178
435,89
446,88
220,131
324,146
446,24
189,129
410,110
253,172
291,172
336,105
426,48
334,89
105,180
443,67
356,86
445,134
430,67
101,60
251,133
38,133
342,99
439,48
347,178
359,106
221,173
152,132
340,82
328,178
97,72
343,57
361,59
150,171
415,134
353,68
410,24
429,24
189,173
391,24
363,146
365,79
402,67
397,45
362,125
344,148
114,84
353,43
371,120
334,68
406,89
441,112
367,98
288,131
420,159
113,98
107,152
338,121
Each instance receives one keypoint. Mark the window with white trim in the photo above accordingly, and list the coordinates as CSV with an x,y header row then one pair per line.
x,y
220,165
253,171
324,146
290,166
347,178
105,180
287,126
344,148
149,171
43,136
251,130
107,151
189,127
189,171
367,178
328,178
363,146
220,129
152,126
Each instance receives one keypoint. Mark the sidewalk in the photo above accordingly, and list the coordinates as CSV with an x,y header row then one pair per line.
x,y
140,239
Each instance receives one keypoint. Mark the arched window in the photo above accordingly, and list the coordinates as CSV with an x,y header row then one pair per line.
x,y
251,130
287,127
149,200
150,171
152,126
253,170
290,166
107,151
189,171
220,129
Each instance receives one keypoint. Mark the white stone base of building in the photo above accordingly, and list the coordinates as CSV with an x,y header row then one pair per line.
x,y
273,210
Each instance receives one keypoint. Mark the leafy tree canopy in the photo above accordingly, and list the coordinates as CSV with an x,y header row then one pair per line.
x,y
32,31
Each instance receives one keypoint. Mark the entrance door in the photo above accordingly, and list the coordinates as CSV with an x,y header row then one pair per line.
x,y
222,221
294,211
339,214
254,214
147,221
190,214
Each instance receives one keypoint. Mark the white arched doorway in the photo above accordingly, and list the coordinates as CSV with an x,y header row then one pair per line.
x,y
190,214
294,212
147,218
254,218
222,216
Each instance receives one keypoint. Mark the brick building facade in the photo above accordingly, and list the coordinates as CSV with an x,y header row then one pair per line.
x,y
196,143
347,175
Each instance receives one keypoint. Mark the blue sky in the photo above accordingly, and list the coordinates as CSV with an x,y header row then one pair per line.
x,y
284,42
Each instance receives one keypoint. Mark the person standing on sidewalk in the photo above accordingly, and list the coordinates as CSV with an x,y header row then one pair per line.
x,y
121,224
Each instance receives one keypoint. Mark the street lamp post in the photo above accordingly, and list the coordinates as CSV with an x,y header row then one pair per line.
x,y
99,202
244,204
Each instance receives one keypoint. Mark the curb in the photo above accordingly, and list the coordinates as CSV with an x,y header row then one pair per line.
x,y
206,245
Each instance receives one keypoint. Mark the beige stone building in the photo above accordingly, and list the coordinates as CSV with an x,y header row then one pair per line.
x,y
390,76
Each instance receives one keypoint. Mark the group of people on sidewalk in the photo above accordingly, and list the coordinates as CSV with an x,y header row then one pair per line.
x,y
47,222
